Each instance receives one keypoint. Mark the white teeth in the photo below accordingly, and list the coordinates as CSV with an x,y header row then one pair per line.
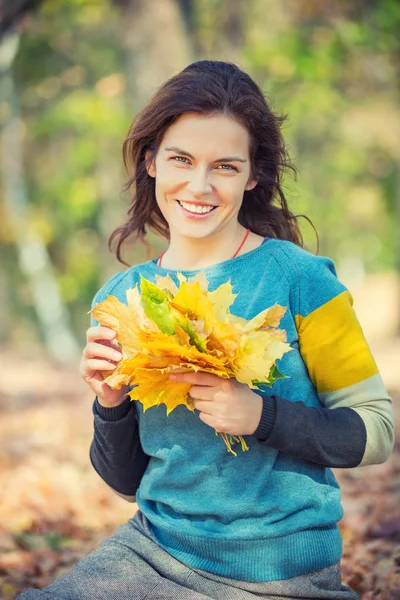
x,y
195,208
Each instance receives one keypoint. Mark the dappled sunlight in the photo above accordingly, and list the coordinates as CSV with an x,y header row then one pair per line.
x,y
75,72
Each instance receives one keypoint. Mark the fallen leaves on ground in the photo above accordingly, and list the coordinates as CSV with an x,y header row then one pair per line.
x,y
55,509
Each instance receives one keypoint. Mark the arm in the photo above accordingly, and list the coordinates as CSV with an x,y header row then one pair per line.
x,y
331,438
355,425
116,452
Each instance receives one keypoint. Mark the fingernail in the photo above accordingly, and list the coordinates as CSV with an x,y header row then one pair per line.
x,y
117,355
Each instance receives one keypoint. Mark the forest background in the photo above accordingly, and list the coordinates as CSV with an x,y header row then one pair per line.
x,y
73,73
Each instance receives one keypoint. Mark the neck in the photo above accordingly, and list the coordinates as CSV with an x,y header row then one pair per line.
x,y
187,254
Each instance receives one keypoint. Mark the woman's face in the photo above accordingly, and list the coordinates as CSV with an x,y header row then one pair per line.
x,y
203,162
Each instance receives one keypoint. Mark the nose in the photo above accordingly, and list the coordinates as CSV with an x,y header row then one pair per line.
x,y
199,183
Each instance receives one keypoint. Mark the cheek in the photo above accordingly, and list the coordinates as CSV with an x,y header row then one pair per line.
x,y
168,179
233,192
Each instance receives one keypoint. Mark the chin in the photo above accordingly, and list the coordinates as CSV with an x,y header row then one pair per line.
x,y
190,233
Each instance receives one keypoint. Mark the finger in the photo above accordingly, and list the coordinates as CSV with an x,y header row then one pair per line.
x,y
208,379
203,406
100,333
96,383
202,392
95,350
96,364
111,344
207,419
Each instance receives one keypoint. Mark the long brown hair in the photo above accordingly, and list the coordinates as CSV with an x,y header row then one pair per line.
x,y
210,87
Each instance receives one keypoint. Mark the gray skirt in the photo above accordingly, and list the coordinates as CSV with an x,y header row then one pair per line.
x,y
130,565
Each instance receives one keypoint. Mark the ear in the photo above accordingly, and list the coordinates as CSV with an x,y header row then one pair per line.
x,y
150,167
251,184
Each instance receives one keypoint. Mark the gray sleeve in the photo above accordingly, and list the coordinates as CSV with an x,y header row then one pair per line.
x,y
331,438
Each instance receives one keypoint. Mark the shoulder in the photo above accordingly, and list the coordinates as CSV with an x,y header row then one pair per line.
x,y
300,262
109,286
313,278
118,283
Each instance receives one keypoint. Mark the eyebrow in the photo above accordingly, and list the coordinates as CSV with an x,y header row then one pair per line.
x,y
227,159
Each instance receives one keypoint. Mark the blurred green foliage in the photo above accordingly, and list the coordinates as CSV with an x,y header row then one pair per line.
x,y
334,70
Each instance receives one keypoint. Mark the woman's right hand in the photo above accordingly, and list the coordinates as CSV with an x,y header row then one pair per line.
x,y
101,353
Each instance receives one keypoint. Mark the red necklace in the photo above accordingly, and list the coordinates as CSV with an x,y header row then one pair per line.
x,y
237,251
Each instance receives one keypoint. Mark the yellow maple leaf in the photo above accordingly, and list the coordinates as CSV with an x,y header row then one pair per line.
x,y
195,304
257,352
270,317
167,283
222,298
187,328
155,387
116,315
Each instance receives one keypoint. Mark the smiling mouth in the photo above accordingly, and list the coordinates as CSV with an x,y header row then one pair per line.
x,y
197,209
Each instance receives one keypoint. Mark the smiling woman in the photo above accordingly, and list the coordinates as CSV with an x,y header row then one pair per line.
x,y
199,194
207,138
205,159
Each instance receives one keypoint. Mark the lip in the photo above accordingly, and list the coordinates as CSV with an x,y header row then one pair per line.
x,y
191,215
195,203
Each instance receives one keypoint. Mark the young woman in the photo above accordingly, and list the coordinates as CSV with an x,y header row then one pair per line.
x,y
206,159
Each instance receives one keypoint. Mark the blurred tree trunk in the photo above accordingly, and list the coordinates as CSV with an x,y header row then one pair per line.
x,y
396,62
397,244
157,46
13,11
160,39
219,29
33,257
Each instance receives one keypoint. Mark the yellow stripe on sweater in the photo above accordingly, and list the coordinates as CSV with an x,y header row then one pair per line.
x,y
333,345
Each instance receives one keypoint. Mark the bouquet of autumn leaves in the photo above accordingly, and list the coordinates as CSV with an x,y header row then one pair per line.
x,y
165,329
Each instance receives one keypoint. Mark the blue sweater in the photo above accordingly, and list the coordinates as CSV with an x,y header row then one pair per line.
x,y
269,513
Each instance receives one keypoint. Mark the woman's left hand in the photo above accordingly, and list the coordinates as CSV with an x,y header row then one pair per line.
x,y
224,404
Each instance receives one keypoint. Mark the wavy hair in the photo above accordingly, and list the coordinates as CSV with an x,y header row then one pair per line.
x,y
210,87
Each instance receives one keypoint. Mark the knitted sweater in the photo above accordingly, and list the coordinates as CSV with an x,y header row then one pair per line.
x,y
271,512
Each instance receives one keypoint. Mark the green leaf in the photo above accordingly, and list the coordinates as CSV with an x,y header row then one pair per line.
x,y
155,304
195,339
274,375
